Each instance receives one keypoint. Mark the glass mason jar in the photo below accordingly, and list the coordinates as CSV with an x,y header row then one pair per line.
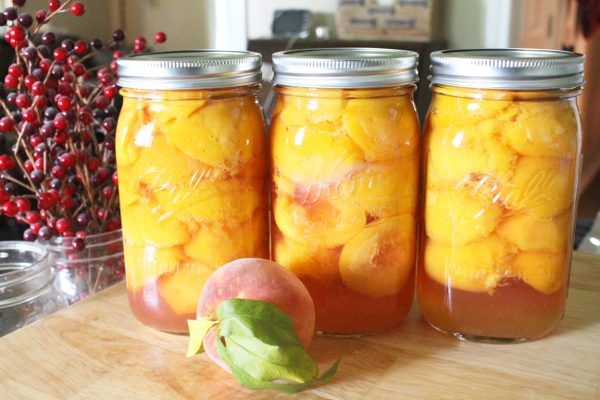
x,y
27,291
502,161
344,173
191,159
81,273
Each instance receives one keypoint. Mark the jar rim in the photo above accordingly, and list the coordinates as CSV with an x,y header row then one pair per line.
x,y
59,245
96,240
510,68
21,274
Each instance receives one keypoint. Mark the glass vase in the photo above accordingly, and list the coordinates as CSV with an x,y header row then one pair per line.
x,y
81,273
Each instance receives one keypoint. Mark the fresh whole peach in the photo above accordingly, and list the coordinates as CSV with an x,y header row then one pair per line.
x,y
256,279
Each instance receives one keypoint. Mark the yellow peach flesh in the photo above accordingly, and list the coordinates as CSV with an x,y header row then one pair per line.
x,y
143,223
500,175
191,176
457,216
475,267
313,153
545,272
181,288
384,128
144,264
530,233
306,261
379,260
544,129
542,186
321,222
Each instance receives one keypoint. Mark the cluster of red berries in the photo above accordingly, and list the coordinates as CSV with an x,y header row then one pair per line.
x,y
58,172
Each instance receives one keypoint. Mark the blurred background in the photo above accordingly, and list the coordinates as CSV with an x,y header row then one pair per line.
x,y
267,26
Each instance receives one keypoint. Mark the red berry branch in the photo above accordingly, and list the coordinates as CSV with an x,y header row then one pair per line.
x,y
57,167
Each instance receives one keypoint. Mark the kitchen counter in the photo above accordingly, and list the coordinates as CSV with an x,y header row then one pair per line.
x,y
97,350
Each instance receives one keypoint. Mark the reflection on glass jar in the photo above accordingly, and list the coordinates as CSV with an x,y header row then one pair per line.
x,y
27,291
192,177
345,165
500,194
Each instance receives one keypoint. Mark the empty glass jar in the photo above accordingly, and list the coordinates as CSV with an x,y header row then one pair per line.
x,y
27,290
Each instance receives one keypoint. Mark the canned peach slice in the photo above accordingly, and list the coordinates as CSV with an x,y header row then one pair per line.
x,y
475,267
545,272
321,222
299,154
543,129
131,122
144,223
530,233
233,200
181,288
160,165
542,186
457,216
218,127
378,261
307,260
218,243
168,111
459,152
283,185
130,188
298,111
384,128
384,189
455,110
146,263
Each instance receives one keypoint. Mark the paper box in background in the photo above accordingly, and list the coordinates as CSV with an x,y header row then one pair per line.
x,y
385,19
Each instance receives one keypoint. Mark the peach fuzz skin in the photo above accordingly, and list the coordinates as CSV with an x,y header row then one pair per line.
x,y
256,279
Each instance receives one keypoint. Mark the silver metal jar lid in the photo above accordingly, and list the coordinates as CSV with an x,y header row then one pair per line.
x,y
193,69
516,69
351,67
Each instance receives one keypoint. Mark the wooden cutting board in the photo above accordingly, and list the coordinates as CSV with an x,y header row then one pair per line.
x,y
97,350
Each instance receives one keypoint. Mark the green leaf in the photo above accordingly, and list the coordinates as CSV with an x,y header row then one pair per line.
x,y
262,342
258,342
198,329
249,382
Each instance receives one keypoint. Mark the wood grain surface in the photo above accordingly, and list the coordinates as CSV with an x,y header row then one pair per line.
x,y
97,350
